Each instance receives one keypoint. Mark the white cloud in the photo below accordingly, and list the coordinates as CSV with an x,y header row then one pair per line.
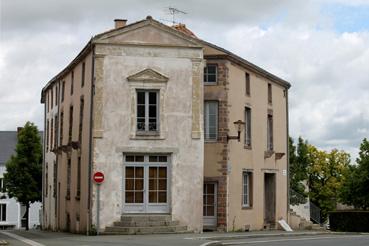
x,y
329,103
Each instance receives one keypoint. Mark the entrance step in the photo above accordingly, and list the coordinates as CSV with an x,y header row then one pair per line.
x,y
145,224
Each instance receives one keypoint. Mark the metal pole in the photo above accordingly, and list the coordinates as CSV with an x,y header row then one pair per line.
x,y
98,210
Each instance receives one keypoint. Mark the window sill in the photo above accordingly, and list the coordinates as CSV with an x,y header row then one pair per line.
x,y
244,207
247,147
210,83
211,141
77,198
147,136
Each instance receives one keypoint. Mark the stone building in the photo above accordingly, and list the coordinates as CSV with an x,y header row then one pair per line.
x,y
152,107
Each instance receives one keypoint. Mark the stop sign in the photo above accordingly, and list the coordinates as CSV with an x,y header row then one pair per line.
x,y
98,177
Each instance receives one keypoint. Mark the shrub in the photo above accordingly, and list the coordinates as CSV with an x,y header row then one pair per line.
x,y
350,221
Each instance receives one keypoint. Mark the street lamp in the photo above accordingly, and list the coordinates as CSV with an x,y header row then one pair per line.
x,y
239,125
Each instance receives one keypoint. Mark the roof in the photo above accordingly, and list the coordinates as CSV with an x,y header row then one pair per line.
x,y
8,141
180,29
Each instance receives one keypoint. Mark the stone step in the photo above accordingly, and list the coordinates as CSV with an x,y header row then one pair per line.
x,y
145,230
146,217
147,223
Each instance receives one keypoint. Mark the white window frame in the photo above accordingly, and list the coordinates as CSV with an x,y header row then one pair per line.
x,y
246,189
206,121
147,111
206,74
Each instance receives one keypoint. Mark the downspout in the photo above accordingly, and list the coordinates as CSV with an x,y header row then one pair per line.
x,y
89,219
43,171
288,159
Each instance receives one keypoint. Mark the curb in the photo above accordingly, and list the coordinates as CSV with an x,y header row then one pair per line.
x,y
216,240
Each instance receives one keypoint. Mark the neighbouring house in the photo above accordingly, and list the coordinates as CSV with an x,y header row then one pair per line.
x,y
154,109
12,213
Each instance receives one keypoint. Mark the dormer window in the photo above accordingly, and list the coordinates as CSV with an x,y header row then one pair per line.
x,y
211,74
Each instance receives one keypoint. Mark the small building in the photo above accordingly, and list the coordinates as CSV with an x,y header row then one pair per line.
x,y
12,213
153,108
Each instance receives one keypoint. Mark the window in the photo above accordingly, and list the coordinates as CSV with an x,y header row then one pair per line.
x,y
56,131
52,134
72,83
46,179
61,127
211,74
78,193
269,93
47,101
68,179
247,189
247,84
62,91
270,132
2,212
55,173
56,95
248,127
211,120
83,75
52,97
81,106
2,187
147,111
70,124
47,135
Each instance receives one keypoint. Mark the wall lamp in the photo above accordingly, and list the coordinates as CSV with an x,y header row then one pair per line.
x,y
239,125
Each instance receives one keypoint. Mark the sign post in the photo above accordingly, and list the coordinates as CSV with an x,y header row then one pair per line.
x,y
99,179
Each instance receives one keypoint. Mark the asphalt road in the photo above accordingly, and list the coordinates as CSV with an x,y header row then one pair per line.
x,y
42,238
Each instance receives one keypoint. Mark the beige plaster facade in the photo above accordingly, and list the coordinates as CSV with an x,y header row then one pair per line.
x,y
150,56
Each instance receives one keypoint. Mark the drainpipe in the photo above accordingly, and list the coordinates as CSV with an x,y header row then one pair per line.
x,y
288,159
89,219
43,170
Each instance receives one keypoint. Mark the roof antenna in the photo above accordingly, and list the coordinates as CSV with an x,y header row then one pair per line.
x,y
173,12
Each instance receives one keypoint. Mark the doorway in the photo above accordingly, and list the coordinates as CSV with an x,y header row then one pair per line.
x,y
210,205
269,199
146,184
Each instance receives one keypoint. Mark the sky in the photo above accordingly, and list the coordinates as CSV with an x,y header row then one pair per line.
x,y
320,46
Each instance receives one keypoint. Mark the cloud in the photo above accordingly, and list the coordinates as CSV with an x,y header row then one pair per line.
x,y
300,41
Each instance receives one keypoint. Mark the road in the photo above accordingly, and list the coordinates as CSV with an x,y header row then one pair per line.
x,y
41,238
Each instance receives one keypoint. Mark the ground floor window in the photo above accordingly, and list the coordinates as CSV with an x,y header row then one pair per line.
x,y
2,212
246,189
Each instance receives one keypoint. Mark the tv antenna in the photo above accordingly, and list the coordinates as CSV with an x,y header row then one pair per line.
x,y
173,12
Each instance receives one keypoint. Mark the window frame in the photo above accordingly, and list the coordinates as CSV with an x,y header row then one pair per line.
x,y
206,117
248,127
206,74
270,93
270,133
147,130
247,84
248,186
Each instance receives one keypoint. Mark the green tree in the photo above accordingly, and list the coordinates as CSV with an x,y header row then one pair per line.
x,y
355,190
326,175
23,177
299,162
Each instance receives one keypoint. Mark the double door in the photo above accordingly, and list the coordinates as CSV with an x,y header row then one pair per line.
x,y
146,186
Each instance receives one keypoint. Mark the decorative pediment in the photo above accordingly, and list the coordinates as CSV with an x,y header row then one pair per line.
x,y
148,75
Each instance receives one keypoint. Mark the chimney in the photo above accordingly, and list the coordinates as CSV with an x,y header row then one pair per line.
x,y
120,23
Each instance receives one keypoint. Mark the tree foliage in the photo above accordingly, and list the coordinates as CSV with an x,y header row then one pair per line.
x,y
326,174
23,177
355,190
299,162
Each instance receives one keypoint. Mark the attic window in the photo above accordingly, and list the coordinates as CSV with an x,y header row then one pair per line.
x,y
211,74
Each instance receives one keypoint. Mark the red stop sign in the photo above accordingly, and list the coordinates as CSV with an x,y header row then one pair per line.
x,y
98,177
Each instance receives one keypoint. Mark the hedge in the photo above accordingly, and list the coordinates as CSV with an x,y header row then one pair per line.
x,y
350,221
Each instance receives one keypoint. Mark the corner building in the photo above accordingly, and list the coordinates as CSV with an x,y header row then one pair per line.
x,y
151,107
